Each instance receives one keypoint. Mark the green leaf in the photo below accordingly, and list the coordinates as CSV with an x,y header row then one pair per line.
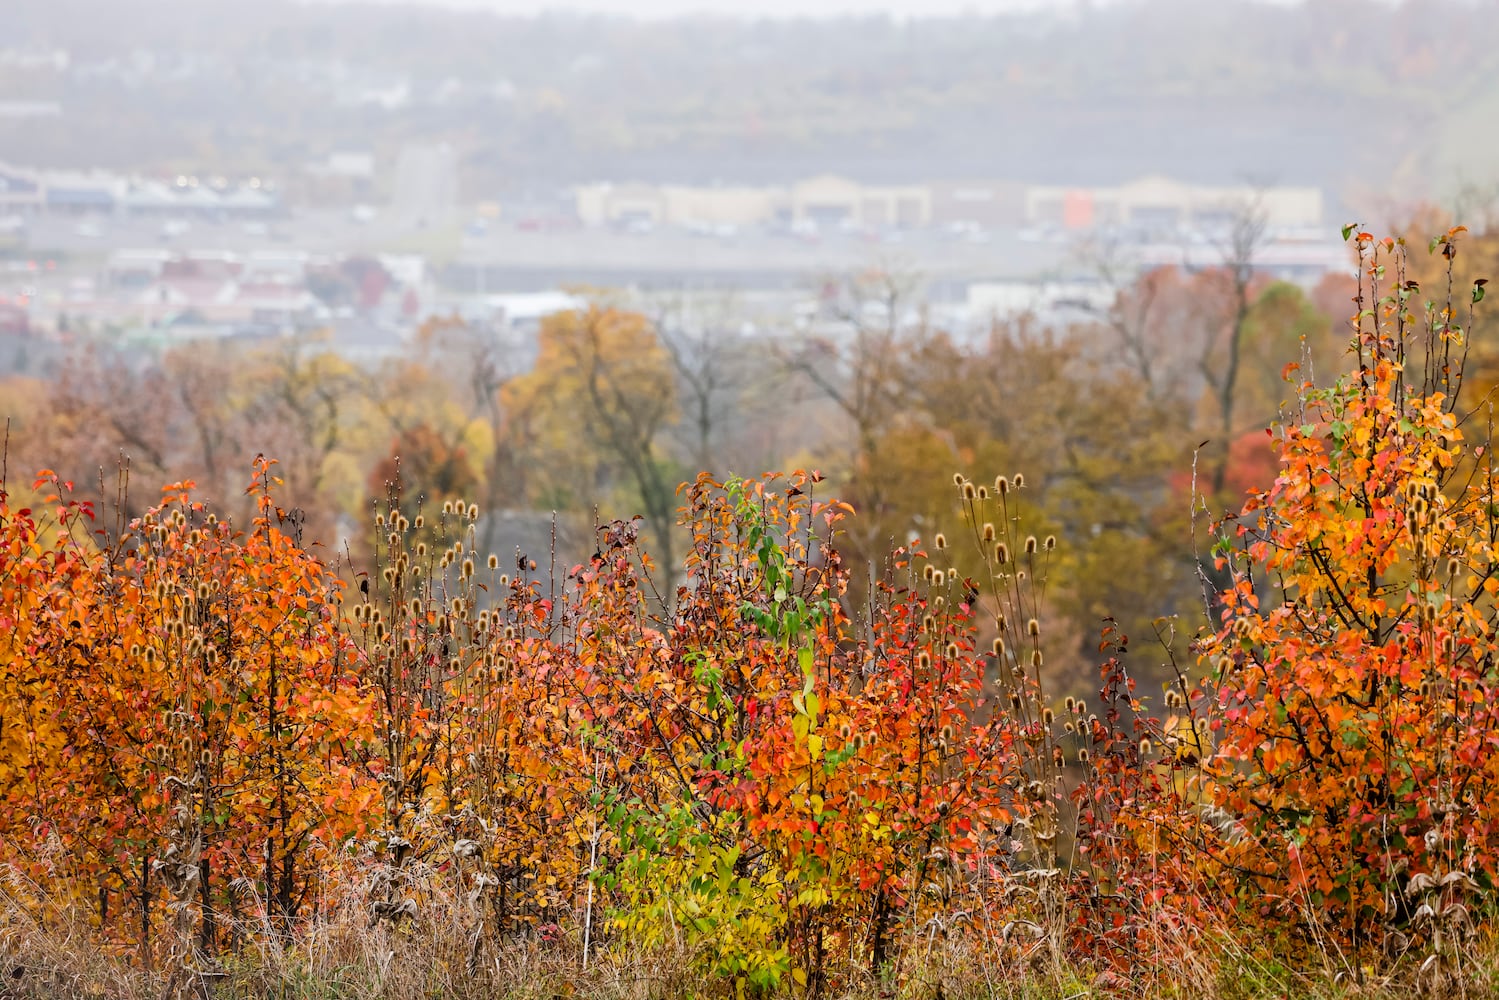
x,y
1348,230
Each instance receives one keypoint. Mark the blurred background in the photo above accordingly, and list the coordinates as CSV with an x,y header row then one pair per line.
x,y
558,260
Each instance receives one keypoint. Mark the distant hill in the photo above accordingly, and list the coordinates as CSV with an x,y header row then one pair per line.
x,y
1350,96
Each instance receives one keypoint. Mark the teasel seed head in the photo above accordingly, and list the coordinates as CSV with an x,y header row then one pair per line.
x,y
999,647
988,531
1033,628
1030,545
940,541
1048,716
494,562
970,492
1001,485
1036,658
957,479
1002,553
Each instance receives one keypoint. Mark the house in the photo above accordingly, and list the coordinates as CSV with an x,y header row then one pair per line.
x,y
135,268
15,321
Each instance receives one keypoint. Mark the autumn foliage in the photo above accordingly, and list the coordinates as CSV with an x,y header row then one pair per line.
x,y
213,738
1355,667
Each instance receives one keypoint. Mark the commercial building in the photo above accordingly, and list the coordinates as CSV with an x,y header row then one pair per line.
x,y
1160,204
823,200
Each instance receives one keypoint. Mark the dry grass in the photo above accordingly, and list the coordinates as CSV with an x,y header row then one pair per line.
x,y
48,952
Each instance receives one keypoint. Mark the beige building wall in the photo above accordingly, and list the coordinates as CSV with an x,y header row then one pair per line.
x,y
824,199
735,206
608,204
834,199
1163,201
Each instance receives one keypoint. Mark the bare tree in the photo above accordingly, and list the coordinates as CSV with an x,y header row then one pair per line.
x,y
862,365
708,353
1237,249
1132,312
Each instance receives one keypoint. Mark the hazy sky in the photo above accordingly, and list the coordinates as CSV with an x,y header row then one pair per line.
x,y
755,8
773,8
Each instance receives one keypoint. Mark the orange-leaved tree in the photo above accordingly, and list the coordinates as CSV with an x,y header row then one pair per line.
x,y
193,705
1355,663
